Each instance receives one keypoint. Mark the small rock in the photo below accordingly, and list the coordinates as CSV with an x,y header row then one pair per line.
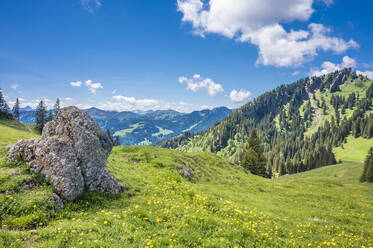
x,y
57,202
31,184
16,173
186,172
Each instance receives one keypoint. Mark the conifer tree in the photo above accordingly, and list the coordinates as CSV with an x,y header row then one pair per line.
x,y
16,109
40,116
117,141
49,117
57,106
4,108
367,175
253,158
108,133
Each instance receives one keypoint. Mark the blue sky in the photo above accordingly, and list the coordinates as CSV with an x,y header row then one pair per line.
x,y
183,55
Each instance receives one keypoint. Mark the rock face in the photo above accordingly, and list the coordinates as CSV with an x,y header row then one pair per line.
x,y
71,154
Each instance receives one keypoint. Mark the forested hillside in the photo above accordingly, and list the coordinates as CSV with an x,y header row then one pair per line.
x,y
299,124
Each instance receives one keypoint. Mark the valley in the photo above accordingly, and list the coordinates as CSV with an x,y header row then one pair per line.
x,y
220,205
145,128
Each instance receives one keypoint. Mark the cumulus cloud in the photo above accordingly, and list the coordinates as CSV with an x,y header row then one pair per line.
x,y
14,86
198,83
328,67
239,96
93,86
258,22
368,74
76,84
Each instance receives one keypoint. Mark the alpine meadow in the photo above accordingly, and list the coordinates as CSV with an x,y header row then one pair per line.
x,y
186,123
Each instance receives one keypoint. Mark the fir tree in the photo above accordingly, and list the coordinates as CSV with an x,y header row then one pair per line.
x,y
49,117
367,175
253,158
40,116
4,108
117,141
57,106
108,133
16,109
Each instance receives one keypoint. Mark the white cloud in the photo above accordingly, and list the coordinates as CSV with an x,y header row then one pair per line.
x,y
14,86
127,103
68,99
93,86
34,103
76,84
295,73
136,102
197,83
328,2
91,5
328,67
257,22
368,74
239,96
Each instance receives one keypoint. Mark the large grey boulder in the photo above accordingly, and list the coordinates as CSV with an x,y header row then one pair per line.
x,y
71,154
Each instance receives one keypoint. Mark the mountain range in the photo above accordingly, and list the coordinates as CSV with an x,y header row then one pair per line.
x,y
147,127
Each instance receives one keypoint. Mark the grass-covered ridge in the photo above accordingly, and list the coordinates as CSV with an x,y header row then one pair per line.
x,y
219,206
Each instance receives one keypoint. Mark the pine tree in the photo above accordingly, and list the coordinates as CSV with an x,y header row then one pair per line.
x,y
16,109
108,133
367,175
40,116
49,117
4,108
117,141
253,158
57,106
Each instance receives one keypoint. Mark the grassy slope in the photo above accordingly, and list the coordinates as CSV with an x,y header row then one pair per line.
x,y
221,206
354,150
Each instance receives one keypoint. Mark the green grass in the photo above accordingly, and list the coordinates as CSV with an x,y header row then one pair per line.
x,y
128,130
162,131
219,206
12,131
356,149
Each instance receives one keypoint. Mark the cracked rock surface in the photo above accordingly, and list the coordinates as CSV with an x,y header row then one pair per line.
x,y
71,155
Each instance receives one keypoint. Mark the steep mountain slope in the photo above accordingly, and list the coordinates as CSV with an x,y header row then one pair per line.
x,y
219,206
299,123
148,127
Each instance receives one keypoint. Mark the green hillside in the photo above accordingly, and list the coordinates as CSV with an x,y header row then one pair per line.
x,y
303,125
220,205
